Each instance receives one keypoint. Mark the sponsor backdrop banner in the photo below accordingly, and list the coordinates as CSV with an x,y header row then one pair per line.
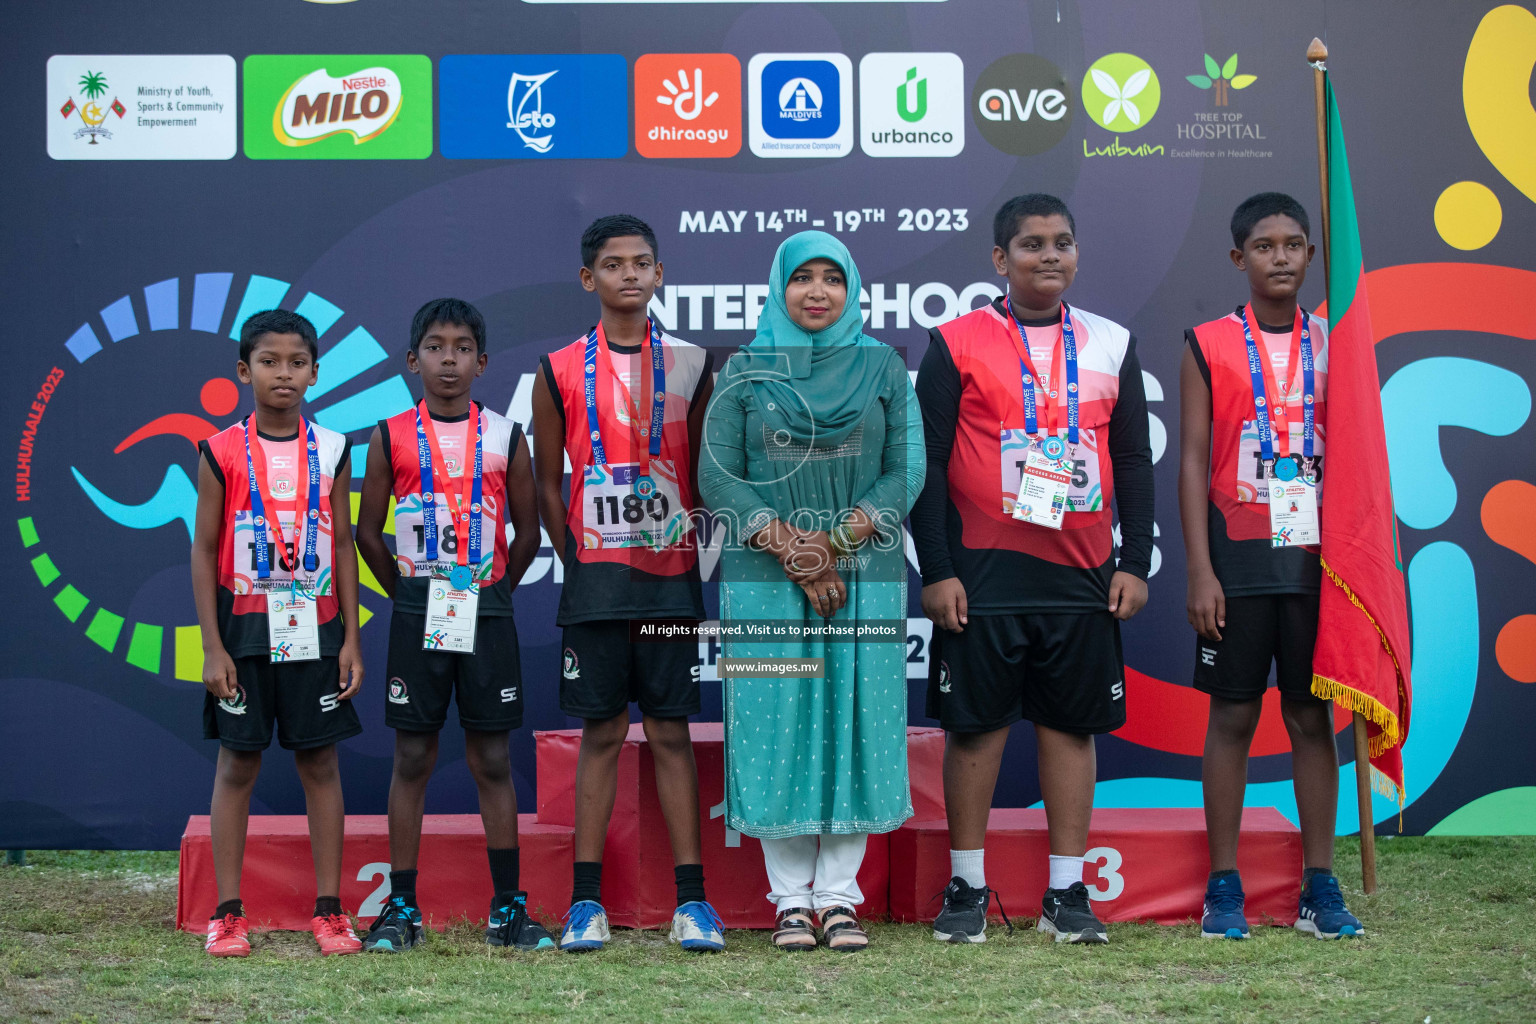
x,y
389,152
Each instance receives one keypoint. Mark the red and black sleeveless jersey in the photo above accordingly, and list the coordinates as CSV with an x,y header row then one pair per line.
x,y
970,391
242,594
627,582
1239,531
499,440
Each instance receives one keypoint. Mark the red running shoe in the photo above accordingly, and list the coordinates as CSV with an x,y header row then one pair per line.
x,y
335,935
228,936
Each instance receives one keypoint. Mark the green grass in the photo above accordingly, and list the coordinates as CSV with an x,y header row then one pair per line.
x,y
87,937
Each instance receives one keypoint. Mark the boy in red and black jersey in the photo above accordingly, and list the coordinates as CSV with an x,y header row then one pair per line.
x,y
1035,419
1253,595
625,404
274,577
459,475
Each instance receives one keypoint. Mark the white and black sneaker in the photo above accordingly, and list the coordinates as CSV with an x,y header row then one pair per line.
x,y
964,916
1067,915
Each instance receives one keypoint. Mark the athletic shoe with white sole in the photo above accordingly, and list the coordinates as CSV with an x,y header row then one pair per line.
x,y
1222,917
334,935
586,927
510,925
697,928
1066,915
964,915
228,936
396,930
1322,913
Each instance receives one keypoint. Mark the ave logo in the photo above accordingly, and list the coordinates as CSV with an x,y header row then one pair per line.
x,y
1021,104
338,107
911,104
531,106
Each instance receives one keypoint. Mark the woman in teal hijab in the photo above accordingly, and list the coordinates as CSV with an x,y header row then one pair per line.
x,y
813,455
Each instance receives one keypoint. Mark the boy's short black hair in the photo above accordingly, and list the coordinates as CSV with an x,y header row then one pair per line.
x,y
448,311
1266,204
277,321
616,225
1031,204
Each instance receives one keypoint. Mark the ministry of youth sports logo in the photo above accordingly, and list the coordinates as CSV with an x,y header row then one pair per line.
x,y
525,107
134,466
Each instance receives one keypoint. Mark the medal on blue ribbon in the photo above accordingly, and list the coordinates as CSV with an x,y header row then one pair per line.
x,y
644,484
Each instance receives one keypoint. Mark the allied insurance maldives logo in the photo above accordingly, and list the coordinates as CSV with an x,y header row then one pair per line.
x,y
338,107
104,491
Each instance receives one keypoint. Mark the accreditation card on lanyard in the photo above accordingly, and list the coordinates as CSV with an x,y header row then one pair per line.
x,y
1292,488
293,626
628,505
1049,462
453,594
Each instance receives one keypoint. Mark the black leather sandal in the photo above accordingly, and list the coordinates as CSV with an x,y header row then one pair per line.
x,y
849,928
793,930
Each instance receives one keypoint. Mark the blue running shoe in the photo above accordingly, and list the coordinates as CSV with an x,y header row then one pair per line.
x,y
1223,914
396,930
697,928
586,927
1322,913
510,925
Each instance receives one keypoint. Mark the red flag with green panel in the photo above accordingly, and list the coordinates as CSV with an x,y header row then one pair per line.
x,y
1361,661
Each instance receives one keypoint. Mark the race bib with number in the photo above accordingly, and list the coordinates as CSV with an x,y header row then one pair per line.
x,y
1250,463
411,539
242,539
1083,495
614,516
293,628
1293,513
1043,487
451,616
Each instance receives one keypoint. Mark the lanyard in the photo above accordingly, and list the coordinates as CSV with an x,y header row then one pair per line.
x,y
1066,352
257,478
428,451
1259,377
599,353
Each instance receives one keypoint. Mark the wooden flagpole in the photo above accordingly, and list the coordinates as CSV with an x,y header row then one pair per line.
x,y
1317,56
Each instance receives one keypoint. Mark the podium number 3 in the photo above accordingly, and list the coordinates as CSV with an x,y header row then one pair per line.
x,y
1112,883
373,906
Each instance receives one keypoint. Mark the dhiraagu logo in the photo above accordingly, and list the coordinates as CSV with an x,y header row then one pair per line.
x,y
338,107
1121,92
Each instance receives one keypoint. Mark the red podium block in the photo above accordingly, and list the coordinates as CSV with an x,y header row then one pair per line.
x,y
1142,864
278,883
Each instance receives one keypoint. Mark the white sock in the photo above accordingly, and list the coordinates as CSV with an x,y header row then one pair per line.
x,y
1065,871
966,865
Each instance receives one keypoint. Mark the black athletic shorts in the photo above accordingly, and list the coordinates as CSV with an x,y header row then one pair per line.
x,y
1063,671
488,685
301,697
1260,630
602,670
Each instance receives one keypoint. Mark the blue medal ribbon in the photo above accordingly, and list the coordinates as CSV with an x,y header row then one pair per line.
x,y
311,517
1256,378
1028,375
644,486
469,518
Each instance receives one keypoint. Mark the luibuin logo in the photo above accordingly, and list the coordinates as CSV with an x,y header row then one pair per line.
x,y
912,97
1121,92
93,84
1222,77
525,106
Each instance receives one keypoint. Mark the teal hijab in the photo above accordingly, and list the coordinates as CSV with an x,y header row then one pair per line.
x,y
816,386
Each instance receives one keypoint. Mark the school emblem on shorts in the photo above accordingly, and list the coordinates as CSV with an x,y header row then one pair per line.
x,y
397,694
235,705
568,665
944,677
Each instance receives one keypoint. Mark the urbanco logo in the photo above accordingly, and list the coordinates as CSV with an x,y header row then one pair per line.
x,y
911,104
801,104
687,105
1021,104
338,106
532,106
1121,92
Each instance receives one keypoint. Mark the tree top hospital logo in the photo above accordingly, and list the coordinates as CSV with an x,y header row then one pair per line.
x,y
1021,104
105,473
801,104
1121,92
533,106
338,107
1221,77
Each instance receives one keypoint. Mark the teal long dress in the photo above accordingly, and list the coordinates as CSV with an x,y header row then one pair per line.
x,y
810,756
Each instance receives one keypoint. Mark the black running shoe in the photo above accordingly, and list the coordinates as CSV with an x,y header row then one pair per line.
x,y
510,925
394,931
964,917
1066,914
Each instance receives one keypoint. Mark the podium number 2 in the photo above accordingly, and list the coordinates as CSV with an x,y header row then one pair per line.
x,y
1108,860
373,906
